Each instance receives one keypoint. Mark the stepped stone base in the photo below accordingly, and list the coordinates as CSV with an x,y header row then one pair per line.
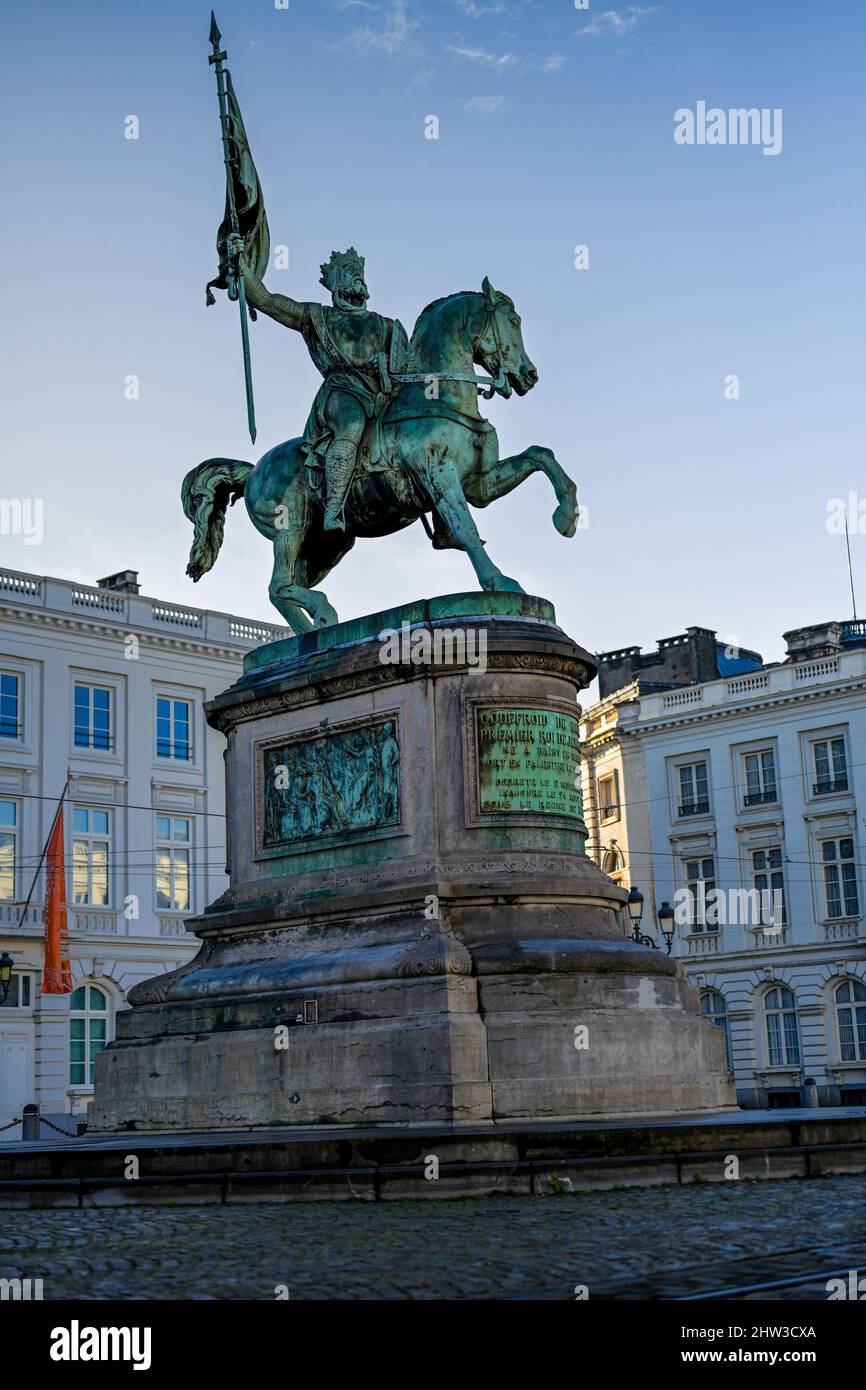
x,y
414,932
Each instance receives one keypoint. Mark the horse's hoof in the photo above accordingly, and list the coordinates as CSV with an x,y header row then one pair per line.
x,y
503,585
565,519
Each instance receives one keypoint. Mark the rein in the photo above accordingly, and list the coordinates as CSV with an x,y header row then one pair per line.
x,y
493,384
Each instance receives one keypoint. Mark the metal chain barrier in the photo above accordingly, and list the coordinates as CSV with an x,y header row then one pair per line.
x,y
10,1124
68,1132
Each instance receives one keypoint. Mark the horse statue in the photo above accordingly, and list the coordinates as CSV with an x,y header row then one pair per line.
x,y
433,458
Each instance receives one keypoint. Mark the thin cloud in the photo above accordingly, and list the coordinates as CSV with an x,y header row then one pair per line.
x,y
483,57
486,105
394,38
616,22
475,11
553,63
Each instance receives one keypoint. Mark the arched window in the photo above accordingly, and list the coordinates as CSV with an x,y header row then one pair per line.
x,y
88,1032
714,1008
612,862
783,1037
851,1021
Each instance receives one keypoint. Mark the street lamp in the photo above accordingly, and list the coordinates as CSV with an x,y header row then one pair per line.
x,y
634,903
6,963
667,922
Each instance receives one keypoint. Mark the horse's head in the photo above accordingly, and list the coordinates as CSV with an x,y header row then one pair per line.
x,y
499,346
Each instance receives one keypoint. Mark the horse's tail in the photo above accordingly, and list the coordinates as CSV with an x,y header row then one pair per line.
x,y
206,493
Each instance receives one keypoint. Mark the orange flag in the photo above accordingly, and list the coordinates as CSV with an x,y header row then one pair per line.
x,y
56,975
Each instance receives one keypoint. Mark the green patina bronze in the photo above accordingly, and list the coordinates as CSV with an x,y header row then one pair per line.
x,y
480,606
331,786
394,435
528,762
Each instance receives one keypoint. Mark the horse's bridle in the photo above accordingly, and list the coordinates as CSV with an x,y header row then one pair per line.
x,y
493,384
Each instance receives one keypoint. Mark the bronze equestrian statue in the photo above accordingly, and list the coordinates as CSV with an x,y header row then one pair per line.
x,y
394,434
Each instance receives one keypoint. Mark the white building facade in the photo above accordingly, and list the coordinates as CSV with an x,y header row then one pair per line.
x,y
748,816
102,690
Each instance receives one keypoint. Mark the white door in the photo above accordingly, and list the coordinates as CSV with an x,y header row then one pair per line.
x,y
14,1072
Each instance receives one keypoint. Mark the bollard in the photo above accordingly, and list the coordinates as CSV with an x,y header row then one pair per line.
x,y
30,1122
810,1086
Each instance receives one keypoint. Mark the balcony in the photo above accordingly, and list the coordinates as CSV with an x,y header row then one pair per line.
x,y
826,786
767,937
702,943
754,688
134,612
854,632
11,923
173,926
694,808
766,798
849,929
82,921
88,921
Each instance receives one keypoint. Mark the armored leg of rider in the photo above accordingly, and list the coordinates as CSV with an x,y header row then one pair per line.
x,y
346,417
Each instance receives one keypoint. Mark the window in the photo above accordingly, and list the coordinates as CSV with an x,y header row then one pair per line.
x,y
840,878
700,881
782,1099
88,1032
173,728
92,716
760,769
173,845
91,838
851,1021
783,1038
714,1008
20,993
694,789
831,766
768,877
608,796
612,861
10,705
8,836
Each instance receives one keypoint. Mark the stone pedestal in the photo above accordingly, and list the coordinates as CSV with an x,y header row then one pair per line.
x,y
413,932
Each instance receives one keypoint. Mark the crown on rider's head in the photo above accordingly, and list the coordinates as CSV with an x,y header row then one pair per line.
x,y
339,259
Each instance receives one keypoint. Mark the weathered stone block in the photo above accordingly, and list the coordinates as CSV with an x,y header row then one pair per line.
x,y
413,931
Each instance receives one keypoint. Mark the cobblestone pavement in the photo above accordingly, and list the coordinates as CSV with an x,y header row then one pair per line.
x,y
657,1242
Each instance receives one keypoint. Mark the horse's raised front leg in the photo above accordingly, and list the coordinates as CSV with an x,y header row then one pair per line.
x,y
443,484
501,477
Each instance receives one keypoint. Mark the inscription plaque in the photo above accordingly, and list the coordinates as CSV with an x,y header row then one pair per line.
x,y
528,762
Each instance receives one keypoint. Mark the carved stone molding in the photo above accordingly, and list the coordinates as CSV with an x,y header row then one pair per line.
x,y
435,953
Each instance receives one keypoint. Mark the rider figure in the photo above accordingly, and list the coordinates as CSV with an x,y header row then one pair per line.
x,y
357,352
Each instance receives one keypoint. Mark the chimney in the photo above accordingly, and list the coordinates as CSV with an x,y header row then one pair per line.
x,y
812,642
124,582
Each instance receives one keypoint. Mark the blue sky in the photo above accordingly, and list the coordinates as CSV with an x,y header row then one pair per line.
x,y
556,129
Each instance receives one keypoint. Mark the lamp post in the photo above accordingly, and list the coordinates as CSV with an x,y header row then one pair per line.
x,y
666,920
6,963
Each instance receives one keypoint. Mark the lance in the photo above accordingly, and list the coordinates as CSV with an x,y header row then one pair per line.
x,y
234,276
